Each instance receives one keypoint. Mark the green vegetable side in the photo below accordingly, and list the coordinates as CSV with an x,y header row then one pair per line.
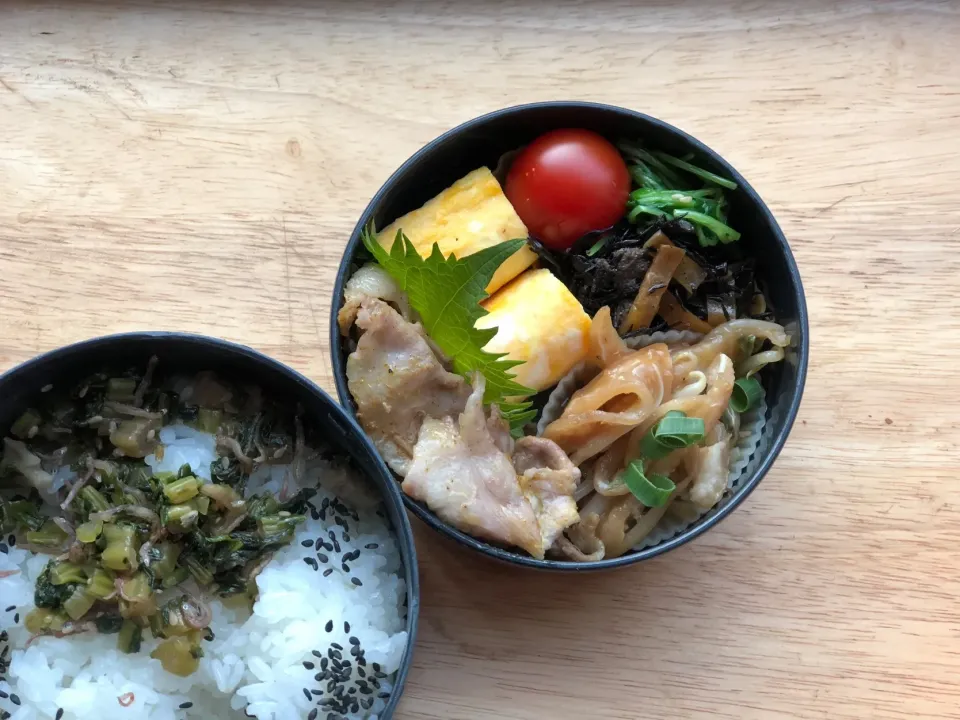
x,y
126,535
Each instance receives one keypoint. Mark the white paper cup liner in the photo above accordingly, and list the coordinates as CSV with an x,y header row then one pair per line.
x,y
752,423
751,431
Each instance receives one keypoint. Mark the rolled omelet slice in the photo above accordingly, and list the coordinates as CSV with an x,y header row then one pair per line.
x,y
470,215
541,323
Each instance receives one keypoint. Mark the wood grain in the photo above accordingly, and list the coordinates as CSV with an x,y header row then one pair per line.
x,y
199,166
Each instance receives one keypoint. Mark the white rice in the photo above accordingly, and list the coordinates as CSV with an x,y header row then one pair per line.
x,y
257,663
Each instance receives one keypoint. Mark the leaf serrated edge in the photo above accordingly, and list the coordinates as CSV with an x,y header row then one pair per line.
x,y
494,366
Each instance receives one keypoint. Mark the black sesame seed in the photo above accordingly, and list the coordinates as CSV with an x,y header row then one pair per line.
x,y
346,626
354,640
186,706
318,544
331,685
333,716
383,695
361,672
366,704
352,691
14,698
320,677
307,543
16,618
336,646
323,663
316,692
307,693
346,536
361,661
308,665
3,547
371,546
3,695
375,682
12,540
380,674
355,651
356,581
345,567
59,714
323,515
317,653
325,504
335,655
376,667
12,607
312,563
327,572
329,626
366,690
4,715
312,715
323,558
314,514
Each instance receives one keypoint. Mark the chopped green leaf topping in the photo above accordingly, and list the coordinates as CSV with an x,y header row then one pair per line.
x,y
746,394
446,292
652,490
666,190
674,431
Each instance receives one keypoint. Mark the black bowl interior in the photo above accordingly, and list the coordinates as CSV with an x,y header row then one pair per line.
x,y
482,142
190,353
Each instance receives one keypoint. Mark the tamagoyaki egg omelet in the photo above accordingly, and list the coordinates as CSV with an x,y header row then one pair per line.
x,y
540,322
470,215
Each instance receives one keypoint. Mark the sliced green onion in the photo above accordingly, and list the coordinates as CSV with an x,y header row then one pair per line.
x,y
679,430
694,170
746,394
653,490
674,432
596,247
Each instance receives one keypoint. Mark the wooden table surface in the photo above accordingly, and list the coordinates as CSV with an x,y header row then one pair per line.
x,y
199,166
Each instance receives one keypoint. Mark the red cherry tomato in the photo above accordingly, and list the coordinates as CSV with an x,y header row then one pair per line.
x,y
565,184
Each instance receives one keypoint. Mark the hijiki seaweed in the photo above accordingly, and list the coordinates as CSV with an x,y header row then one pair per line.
x,y
606,268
